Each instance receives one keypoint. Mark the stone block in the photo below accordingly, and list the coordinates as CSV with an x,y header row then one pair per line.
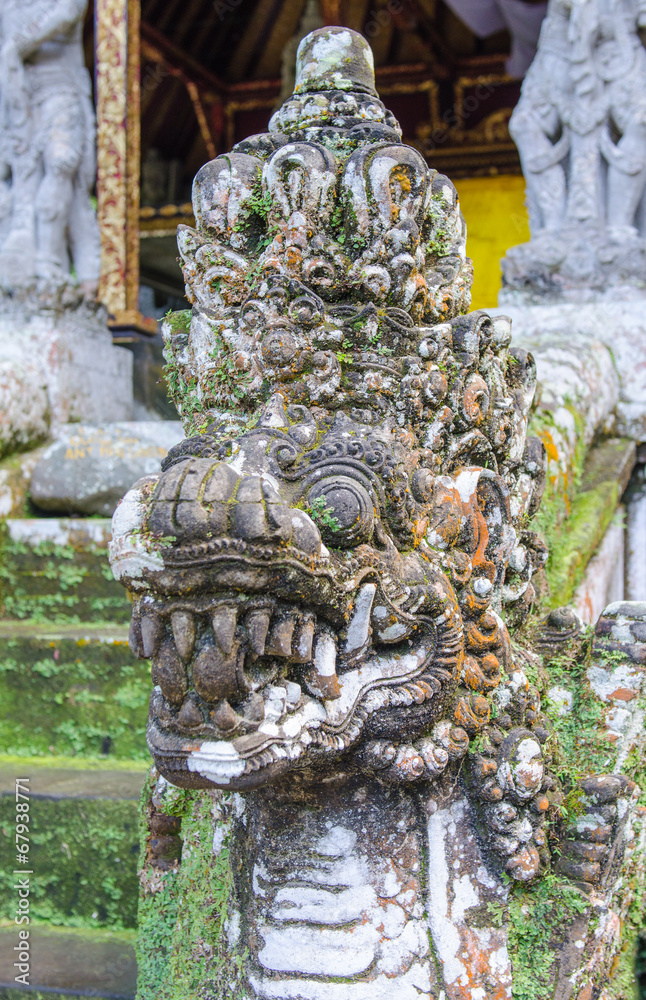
x,y
613,378
58,366
89,468
604,576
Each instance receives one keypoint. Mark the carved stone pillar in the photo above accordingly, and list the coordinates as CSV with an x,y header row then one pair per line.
x,y
118,160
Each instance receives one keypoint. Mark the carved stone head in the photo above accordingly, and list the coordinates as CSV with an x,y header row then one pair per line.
x,y
320,573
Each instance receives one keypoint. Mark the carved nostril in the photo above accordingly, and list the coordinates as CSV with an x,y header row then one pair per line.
x,y
258,513
343,510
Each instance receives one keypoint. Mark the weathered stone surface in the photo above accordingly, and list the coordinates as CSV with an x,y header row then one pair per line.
x,y
87,469
579,131
24,412
636,538
15,476
576,333
57,364
603,582
325,578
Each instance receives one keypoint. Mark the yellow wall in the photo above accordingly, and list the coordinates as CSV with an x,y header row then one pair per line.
x,y
494,209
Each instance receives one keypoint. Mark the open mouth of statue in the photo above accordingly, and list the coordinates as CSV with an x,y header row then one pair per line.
x,y
244,686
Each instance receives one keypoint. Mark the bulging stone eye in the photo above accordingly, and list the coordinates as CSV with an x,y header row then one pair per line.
x,y
278,347
304,311
343,511
251,316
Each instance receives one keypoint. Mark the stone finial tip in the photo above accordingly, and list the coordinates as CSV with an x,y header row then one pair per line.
x,y
334,59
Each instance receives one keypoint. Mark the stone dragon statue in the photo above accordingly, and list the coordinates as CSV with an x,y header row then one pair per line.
x,y
324,573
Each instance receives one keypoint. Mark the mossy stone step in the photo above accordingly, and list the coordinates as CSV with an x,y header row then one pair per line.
x,y
604,478
66,962
71,689
83,843
57,569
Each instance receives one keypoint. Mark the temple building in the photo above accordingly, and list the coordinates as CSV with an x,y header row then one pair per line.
x,y
193,80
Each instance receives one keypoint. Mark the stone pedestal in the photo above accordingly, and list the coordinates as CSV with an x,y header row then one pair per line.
x,y
57,365
616,320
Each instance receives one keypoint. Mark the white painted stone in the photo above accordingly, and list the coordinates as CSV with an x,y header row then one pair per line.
x,y
310,904
218,761
318,951
618,719
604,682
354,682
452,892
413,985
636,547
359,627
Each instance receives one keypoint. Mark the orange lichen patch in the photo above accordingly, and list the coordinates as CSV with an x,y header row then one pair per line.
x,y
472,713
483,676
485,634
623,694
525,864
480,959
550,447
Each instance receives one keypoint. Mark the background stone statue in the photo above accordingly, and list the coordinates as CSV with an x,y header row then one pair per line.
x,y
47,158
580,128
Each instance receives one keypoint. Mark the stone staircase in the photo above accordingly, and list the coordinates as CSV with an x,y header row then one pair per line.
x,y
73,722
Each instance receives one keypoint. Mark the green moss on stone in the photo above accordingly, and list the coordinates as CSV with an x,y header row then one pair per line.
x,y
182,947
538,917
83,853
49,583
72,696
178,322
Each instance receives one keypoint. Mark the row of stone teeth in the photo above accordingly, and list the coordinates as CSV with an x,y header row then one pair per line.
x,y
290,636
270,755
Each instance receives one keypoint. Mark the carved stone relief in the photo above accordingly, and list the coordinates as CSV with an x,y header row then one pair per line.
x,y
47,157
580,128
